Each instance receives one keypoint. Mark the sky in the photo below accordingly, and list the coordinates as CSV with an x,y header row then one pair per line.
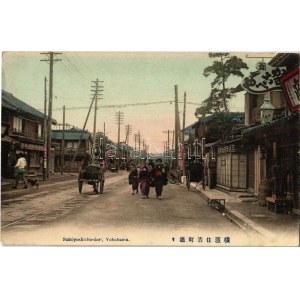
x,y
128,77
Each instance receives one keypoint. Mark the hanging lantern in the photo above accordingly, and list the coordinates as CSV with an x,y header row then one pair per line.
x,y
267,109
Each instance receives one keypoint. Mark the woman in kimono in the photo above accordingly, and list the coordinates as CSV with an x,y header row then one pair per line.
x,y
159,174
134,180
144,179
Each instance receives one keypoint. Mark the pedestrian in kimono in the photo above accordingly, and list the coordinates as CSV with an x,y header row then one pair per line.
x,y
134,180
159,174
144,179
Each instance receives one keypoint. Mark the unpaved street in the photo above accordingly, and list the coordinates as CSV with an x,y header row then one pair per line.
x,y
61,216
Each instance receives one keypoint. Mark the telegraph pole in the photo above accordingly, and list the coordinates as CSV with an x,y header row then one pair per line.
x,y
104,140
183,119
135,139
97,97
139,134
168,148
183,127
176,125
83,129
128,129
63,142
45,134
119,119
51,62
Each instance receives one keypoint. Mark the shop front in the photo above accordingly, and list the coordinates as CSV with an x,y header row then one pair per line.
x,y
278,146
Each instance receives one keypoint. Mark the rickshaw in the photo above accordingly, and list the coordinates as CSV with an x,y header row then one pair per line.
x,y
195,172
93,174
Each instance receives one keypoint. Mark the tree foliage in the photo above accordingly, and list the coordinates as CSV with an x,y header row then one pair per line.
x,y
224,66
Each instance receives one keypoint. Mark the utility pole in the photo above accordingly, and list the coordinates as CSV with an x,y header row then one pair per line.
x,y
128,129
176,125
183,119
183,127
104,141
96,90
51,62
45,134
63,142
135,140
128,133
119,119
139,135
83,129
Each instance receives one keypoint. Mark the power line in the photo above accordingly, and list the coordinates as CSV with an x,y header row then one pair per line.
x,y
125,105
72,65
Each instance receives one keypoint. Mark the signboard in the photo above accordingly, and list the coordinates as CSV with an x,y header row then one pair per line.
x,y
33,147
265,79
291,89
45,152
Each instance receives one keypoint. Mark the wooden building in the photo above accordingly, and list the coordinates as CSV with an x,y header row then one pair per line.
x,y
273,146
22,131
71,139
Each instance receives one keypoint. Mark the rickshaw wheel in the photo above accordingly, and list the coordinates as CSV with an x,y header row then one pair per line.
x,y
96,187
80,186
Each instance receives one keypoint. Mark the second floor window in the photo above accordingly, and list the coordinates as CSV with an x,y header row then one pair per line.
x,y
39,130
72,144
18,124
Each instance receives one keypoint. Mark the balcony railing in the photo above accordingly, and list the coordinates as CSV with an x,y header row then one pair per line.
x,y
70,151
27,134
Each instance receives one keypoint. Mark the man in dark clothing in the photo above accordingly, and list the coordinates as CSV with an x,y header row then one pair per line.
x,y
87,160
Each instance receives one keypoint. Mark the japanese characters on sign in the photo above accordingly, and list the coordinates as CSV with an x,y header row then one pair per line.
x,y
291,89
265,79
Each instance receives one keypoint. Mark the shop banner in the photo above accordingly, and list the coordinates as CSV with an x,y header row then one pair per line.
x,y
266,79
291,89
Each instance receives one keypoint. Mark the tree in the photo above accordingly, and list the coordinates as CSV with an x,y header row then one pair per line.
x,y
223,68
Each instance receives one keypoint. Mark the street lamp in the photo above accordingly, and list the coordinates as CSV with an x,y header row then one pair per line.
x,y
267,109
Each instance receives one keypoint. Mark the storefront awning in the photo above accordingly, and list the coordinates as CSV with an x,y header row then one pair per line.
x,y
9,140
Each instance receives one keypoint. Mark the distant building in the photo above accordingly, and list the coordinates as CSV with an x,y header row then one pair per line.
x,y
22,131
71,139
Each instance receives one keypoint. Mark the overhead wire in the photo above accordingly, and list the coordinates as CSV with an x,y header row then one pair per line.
x,y
72,65
121,105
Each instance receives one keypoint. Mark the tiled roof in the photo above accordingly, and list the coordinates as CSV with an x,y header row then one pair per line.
x,y
73,134
8,105
255,129
11,102
284,59
236,116
189,129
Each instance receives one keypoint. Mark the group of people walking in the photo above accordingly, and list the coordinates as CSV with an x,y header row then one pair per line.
x,y
149,175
